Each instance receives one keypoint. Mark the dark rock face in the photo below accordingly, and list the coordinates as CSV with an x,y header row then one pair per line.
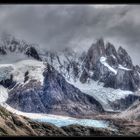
x,y
137,68
56,96
110,50
31,52
84,76
2,51
124,103
127,80
124,79
94,53
124,59
26,98
126,76
101,72
8,83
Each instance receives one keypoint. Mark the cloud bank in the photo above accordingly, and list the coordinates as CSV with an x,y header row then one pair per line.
x,y
58,26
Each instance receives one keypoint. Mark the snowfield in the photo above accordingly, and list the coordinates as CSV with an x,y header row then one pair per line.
x,y
58,120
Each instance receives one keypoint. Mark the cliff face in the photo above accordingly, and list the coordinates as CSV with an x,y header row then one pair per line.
x,y
114,68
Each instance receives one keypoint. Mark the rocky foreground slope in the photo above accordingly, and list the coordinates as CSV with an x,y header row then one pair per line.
x,y
15,125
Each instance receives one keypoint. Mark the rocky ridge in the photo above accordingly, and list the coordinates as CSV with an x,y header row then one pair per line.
x,y
100,63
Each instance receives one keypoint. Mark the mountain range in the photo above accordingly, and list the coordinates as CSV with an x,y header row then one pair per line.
x,y
99,81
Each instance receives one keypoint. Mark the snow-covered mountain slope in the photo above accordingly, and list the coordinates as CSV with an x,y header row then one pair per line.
x,y
106,78
30,68
33,88
113,70
100,63
67,62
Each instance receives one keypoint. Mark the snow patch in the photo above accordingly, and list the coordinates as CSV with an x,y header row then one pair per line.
x,y
124,68
113,56
103,61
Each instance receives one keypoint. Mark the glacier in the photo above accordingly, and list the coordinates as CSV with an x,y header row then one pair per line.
x,y
83,122
100,93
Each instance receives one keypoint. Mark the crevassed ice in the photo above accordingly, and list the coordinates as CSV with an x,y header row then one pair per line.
x,y
100,93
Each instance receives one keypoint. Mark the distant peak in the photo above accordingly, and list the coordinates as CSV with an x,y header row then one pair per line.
x,y
110,49
121,50
9,44
100,41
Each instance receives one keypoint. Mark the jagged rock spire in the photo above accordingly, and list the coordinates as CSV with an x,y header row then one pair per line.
x,y
94,53
124,59
110,50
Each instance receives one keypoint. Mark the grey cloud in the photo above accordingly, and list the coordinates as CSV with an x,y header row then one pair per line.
x,y
57,26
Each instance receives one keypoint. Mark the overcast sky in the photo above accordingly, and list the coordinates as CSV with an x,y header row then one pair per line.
x,y
59,26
